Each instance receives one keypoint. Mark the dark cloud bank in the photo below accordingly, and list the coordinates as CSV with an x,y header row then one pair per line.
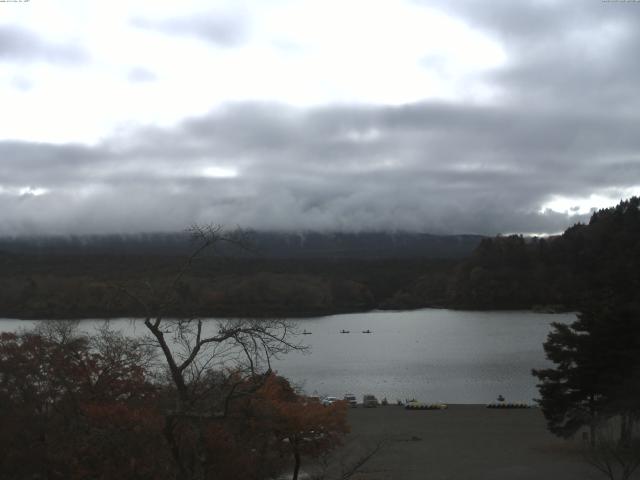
x,y
566,123
422,167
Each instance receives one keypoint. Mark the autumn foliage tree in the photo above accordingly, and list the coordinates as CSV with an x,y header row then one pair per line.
x,y
89,407
55,392
299,425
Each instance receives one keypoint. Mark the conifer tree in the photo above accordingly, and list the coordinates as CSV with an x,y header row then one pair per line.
x,y
597,360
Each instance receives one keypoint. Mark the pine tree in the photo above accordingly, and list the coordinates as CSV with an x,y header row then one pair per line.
x,y
597,361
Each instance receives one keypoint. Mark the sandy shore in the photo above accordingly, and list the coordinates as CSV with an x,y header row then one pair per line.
x,y
465,442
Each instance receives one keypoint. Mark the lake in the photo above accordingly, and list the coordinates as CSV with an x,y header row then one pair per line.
x,y
429,354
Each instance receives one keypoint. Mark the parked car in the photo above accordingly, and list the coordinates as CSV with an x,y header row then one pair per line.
x,y
369,401
350,398
329,400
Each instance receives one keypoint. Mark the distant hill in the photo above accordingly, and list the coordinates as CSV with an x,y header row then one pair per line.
x,y
278,274
310,245
292,275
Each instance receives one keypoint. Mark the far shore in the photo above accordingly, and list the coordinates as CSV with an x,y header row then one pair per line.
x,y
285,315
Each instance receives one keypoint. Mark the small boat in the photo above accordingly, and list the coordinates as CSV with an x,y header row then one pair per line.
x,y
344,331
306,333
366,331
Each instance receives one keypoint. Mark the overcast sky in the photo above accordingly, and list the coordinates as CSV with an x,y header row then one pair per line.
x,y
443,116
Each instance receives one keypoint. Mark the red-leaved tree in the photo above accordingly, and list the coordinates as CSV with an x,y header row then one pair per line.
x,y
298,425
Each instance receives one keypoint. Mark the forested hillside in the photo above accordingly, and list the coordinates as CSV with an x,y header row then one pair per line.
x,y
269,274
504,272
54,286
599,259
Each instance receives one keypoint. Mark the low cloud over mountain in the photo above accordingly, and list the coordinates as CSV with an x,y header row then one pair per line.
x,y
539,137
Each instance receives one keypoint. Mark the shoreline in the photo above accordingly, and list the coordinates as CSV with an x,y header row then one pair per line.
x,y
295,315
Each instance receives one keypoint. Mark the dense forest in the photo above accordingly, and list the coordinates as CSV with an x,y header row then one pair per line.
x,y
80,277
563,272
80,286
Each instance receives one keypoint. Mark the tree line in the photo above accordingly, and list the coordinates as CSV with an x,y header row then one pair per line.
x,y
594,383
503,272
83,286
558,272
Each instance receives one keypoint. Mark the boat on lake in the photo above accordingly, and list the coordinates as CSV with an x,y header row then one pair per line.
x,y
344,331
366,331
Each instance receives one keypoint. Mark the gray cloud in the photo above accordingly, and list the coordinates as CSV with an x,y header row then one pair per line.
x,y
561,55
533,21
566,123
430,167
20,45
225,29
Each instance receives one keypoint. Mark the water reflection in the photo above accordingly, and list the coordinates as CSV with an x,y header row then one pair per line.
x,y
433,355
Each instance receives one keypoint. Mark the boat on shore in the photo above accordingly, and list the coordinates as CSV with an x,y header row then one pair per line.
x,y
306,333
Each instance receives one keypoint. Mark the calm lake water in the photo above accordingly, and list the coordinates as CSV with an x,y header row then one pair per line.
x,y
431,354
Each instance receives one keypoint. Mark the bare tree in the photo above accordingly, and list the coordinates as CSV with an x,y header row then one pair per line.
x,y
209,363
58,331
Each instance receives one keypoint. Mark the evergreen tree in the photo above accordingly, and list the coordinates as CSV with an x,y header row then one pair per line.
x,y
597,362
